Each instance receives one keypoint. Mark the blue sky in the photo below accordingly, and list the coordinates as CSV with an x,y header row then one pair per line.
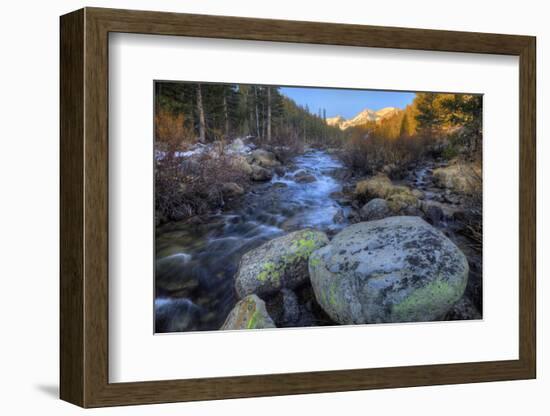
x,y
346,103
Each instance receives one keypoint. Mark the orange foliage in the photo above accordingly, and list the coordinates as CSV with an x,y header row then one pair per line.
x,y
171,130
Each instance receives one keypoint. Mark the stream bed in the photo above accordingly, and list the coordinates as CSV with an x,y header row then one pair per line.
x,y
196,261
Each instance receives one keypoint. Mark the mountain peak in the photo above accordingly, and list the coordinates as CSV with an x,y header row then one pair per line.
x,y
362,117
386,111
335,121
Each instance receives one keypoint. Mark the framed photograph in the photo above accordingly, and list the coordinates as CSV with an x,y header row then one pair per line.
x,y
262,207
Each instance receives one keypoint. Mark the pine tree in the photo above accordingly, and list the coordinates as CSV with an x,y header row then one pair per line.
x,y
428,116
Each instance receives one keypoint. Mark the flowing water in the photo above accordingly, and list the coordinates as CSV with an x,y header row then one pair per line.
x,y
196,263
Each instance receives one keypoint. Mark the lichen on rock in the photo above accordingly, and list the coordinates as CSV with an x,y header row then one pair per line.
x,y
249,313
281,262
398,269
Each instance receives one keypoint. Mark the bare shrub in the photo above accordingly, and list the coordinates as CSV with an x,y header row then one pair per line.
x,y
369,154
193,186
287,144
472,221
187,186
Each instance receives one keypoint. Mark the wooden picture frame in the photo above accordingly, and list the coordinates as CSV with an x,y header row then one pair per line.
x,y
84,207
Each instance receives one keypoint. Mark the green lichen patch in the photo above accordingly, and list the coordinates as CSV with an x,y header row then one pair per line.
x,y
270,272
253,321
314,261
332,295
281,262
425,299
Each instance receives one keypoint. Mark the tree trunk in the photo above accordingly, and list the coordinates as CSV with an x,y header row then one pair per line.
x,y
200,110
257,116
226,114
269,114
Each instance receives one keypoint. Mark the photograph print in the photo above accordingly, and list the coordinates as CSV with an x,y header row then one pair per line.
x,y
286,207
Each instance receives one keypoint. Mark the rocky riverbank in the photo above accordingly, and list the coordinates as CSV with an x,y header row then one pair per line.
x,y
304,243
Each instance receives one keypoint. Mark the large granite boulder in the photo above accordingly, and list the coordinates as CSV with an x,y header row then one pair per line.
x,y
279,263
398,269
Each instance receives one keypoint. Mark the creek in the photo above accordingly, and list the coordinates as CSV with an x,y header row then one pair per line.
x,y
196,261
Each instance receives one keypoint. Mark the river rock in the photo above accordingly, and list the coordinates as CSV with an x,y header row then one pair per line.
x,y
232,189
375,209
248,313
265,158
464,178
418,193
279,170
279,185
436,211
463,309
304,177
340,197
238,146
339,217
175,315
403,202
380,186
433,213
291,308
285,309
279,263
240,163
392,170
398,269
260,174
172,273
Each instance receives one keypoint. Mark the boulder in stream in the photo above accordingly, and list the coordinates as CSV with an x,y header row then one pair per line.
x,y
232,189
375,209
278,263
378,186
175,315
265,158
172,273
285,309
248,313
241,164
400,198
398,269
260,174
304,177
